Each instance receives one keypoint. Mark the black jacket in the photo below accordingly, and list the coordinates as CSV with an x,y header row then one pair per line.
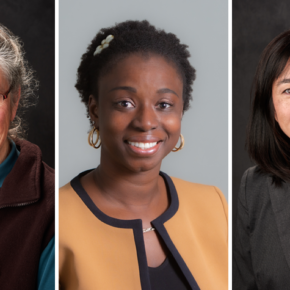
x,y
261,243
26,218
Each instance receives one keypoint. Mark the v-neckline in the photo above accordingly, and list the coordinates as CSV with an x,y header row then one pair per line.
x,y
120,223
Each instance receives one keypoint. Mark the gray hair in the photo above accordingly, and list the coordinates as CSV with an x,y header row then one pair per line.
x,y
19,75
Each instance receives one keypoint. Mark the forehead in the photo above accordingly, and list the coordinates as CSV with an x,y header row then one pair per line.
x,y
141,67
285,74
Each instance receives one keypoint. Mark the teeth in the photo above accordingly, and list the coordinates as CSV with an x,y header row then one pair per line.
x,y
143,145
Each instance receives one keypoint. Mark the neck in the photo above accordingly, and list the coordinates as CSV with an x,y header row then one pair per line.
x,y
123,186
4,150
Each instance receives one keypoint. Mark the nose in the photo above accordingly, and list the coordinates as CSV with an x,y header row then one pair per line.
x,y
145,119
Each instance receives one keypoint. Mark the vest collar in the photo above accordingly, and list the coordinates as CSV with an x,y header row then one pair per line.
x,y
22,184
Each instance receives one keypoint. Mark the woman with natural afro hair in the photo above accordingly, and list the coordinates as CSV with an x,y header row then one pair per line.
x,y
126,224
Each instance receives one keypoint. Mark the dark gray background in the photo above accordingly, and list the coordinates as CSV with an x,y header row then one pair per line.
x,y
33,22
255,24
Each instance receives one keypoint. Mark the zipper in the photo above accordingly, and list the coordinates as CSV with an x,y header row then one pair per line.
x,y
18,204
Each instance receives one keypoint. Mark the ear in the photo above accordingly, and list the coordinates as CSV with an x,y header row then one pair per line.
x,y
94,110
15,103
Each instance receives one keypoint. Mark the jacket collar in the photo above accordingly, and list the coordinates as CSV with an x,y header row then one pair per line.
x,y
280,199
22,184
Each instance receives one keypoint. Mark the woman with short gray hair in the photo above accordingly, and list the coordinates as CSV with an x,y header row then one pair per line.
x,y
26,182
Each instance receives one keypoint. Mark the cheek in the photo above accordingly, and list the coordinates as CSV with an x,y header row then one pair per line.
x,y
172,124
4,125
112,122
112,127
282,110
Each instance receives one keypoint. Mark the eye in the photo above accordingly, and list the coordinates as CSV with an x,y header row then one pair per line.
x,y
287,91
164,105
125,104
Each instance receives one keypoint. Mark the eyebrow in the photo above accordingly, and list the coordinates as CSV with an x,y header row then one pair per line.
x,y
124,88
284,81
166,90
133,90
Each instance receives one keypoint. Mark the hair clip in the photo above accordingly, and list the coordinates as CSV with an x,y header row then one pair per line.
x,y
105,44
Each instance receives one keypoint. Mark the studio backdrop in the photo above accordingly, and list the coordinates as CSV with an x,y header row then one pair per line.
x,y
203,26
255,24
33,22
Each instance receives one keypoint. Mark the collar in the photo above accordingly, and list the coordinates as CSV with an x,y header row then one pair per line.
x,y
22,185
137,223
136,226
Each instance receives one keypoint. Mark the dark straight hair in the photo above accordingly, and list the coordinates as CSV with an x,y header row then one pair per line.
x,y
267,144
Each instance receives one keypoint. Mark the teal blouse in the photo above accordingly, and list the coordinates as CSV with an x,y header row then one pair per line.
x,y
46,268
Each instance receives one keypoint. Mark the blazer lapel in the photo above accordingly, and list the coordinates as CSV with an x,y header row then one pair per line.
x,y
280,199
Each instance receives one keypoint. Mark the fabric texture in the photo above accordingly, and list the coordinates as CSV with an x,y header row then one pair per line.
x,y
100,252
26,218
261,249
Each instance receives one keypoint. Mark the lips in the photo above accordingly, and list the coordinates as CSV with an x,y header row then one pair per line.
x,y
145,147
142,145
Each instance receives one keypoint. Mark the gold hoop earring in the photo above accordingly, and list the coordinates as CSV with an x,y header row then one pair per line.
x,y
175,149
91,138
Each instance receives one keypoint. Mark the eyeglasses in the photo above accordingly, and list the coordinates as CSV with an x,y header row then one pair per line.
x,y
4,96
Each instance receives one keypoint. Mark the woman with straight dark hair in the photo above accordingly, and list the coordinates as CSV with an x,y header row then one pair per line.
x,y
262,240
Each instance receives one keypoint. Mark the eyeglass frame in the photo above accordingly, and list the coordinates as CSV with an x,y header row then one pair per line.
x,y
5,96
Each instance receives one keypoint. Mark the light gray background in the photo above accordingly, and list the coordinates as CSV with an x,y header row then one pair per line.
x,y
203,25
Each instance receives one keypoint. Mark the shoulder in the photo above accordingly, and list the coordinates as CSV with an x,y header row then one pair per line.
x,y
254,187
204,198
48,178
65,192
203,209
254,174
254,178
197,191
69,201
31,157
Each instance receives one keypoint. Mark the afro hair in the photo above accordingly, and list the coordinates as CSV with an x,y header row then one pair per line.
x,y
132,37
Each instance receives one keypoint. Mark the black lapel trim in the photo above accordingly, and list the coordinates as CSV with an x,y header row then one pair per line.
x,y
142,259
280,199
136,225
159,225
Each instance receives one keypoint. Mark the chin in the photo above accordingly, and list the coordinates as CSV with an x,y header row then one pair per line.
x,y
142,166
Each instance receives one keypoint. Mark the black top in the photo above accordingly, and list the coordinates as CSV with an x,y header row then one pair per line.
x,y
261,243
167,276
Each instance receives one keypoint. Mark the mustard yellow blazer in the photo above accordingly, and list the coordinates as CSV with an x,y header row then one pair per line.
x,y
100,252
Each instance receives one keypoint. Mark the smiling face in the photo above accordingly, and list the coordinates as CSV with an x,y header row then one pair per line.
x,y
281,99
138,112
8,111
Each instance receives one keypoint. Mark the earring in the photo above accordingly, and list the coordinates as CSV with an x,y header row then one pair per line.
x,y
91,138
175,149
